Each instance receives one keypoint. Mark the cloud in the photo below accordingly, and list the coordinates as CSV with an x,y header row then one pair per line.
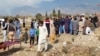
x,y
16,3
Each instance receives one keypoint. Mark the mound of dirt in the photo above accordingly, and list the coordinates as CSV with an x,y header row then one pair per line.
x,y
79,51
68,51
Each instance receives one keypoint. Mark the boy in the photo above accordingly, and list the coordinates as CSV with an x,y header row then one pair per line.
x,y
5,26
42,36
32,33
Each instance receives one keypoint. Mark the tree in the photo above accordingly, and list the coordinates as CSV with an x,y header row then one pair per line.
x,y
46,15
54,13
59,13
9,17
18,16
38,16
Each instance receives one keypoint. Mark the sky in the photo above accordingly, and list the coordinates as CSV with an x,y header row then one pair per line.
x,y
9,7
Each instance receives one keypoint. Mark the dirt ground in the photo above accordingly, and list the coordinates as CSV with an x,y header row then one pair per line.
x,y
91,41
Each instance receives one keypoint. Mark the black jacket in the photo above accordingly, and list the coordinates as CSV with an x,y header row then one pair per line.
x,y
95,19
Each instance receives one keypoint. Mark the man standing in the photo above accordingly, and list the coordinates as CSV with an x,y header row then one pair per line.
x,y
47,23
95,20
32,23
56,25
42,36
71,26
18,28
75,26
24,22
5,26
67,24
36,24
61,28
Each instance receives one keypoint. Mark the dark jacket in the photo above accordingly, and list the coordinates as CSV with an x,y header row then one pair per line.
x,y
62,21
56,23
95,19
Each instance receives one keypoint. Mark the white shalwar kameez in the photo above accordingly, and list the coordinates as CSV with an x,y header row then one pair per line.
x,y
42,37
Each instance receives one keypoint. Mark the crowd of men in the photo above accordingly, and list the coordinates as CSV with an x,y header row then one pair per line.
x,y
76,24
51,28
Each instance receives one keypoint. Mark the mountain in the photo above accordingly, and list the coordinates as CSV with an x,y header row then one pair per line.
x,y
29,10
26,10
4,12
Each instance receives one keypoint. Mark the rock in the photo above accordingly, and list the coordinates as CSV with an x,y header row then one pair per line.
x,y
64,43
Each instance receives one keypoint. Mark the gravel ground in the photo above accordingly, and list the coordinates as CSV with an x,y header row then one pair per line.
x,y
91,40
